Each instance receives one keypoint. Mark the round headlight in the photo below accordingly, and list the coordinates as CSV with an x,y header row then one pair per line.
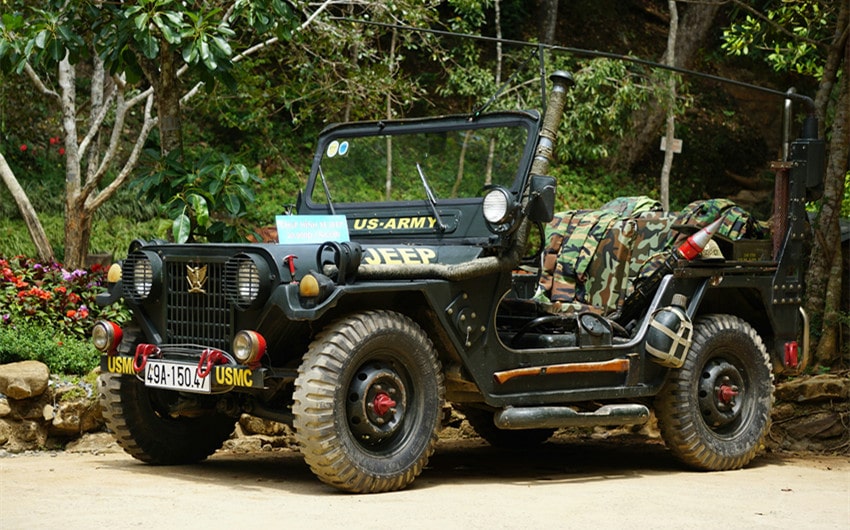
x,y
247,280
106,336
497,206
142,278
248,347
141,272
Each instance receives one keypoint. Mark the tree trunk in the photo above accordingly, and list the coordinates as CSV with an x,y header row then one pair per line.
x,y
823,286
694,25
548,20
77,220
167,89
671,108
36,231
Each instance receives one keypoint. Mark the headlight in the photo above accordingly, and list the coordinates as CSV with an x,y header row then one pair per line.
x,y
141,275
498,206
247,280
106,336
248,347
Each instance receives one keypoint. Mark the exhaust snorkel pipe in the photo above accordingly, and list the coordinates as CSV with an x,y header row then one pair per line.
x,y
511,257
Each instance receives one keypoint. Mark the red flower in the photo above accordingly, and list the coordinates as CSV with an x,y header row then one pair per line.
x,y
61,150
23,147
84,313
54,141
71,313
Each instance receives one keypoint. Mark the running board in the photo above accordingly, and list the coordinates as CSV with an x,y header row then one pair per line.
x,y
550,417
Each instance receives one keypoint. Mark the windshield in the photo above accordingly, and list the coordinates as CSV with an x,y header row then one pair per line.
x,y
401,166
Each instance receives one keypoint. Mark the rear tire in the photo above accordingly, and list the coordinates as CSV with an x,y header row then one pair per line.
x,y
714,411
368,402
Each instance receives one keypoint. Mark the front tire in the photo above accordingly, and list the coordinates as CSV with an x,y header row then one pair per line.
x,y
138,417
714,411
368,402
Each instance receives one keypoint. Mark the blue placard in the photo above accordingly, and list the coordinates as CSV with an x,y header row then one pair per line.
x,y
310,229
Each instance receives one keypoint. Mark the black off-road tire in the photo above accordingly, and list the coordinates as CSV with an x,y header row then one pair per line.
x,y
714,411
368,402
481,421
137,417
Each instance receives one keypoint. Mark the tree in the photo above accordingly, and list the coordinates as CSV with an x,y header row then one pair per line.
x,y
148,58
111,44
811,38
693,26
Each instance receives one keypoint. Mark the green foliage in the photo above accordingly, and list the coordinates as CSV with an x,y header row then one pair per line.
x,y
591,188
207,198
60,352
788,36
606,93
110,235
48,313
49,296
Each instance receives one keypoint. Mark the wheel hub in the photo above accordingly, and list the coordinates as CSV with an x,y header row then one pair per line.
x,y
720,390
377,403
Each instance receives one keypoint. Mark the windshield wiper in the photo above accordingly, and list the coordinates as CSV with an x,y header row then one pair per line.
x,y
327,191
432,201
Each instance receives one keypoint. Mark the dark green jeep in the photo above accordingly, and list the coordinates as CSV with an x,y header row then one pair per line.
x,y
442,276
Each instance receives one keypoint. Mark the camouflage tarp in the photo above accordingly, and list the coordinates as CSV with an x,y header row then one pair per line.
x,y
592,256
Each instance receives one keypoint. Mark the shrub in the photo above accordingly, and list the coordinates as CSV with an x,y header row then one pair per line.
x,y
46,312
60,352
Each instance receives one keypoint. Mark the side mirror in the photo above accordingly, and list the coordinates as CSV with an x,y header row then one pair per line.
x,y
541,200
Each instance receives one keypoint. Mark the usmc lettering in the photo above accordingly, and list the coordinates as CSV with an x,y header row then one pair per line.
x,y
120,365
229,376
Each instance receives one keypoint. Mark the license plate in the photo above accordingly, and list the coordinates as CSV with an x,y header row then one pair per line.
x,y
175,376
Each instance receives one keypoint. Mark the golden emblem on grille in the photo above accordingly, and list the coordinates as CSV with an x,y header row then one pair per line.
x,y
197,277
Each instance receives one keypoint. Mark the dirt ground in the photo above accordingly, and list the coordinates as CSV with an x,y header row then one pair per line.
x,y
563,484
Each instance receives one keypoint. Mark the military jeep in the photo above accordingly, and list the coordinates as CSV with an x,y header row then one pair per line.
x,y
423,264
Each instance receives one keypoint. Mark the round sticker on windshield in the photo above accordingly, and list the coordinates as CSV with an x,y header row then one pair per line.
x,y
343,148
333,148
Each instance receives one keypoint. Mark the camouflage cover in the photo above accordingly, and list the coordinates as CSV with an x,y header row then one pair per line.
x,y
592,256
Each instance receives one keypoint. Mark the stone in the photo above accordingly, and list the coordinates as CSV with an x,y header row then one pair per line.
x,y
255,425
30,408
5,431
819,426
73,418
5,409
822,387
23,379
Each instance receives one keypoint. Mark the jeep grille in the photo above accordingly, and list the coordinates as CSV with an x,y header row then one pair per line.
x,y
195,317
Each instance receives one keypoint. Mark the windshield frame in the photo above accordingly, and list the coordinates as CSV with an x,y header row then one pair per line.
x,y
530,120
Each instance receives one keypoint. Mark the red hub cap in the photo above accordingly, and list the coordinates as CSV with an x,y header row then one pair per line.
x,y
726,394
382,403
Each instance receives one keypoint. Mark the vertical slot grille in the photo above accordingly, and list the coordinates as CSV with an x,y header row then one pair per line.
x,y
197,311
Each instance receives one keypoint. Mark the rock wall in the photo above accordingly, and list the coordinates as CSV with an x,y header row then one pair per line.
x,y
37,415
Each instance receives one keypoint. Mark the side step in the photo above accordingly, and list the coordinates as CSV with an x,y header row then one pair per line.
x,y
550,417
